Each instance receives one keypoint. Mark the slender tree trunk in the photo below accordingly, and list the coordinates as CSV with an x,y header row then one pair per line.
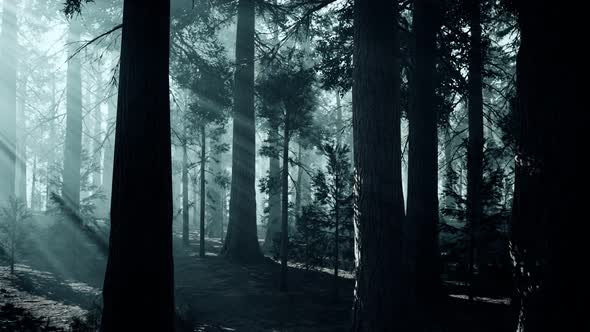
x,y
34,199
97,135
547,240
285,207
380,290
422,204
21,143
242,239
299,188
8,68
139,280
195,218
339,122
336,235
203,193
185,207
274,196
51,159
450,183
475,142
73,144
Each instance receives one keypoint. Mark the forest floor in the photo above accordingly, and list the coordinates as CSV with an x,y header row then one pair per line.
x,y
213,294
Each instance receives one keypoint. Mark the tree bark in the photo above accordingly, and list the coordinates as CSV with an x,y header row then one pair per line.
x,y
547,240
475,141
97,135
73,144
185,211
274,197
285,207
242,239
21,142
139,280
203,192
422,203
379,208
8,68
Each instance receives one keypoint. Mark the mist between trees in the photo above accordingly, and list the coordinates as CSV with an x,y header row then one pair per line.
x,y
313,165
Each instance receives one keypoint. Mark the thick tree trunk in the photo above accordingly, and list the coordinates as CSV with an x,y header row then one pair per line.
x,y
203,192
422,203
475,142
138,292
285,207
185,205
242,239
8,67
547,237
73,144
379,301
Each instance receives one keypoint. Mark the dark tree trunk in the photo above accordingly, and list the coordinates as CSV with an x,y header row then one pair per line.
x,y
379,301
274,197
73,144
8,66
242,239
138,291
285,207
422,204
299,185
475,141
203,192
336,234
547,237
185,205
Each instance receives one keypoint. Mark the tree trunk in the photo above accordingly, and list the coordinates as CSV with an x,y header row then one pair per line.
x,y
34,199
203,193
379,301
450,183
339,122
109,152
185,205
285,207
475,141
547,239
299,188
336,234
422,203
97,135
51,158
73,144
139,280
274,197
8,67
242,239
21,142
